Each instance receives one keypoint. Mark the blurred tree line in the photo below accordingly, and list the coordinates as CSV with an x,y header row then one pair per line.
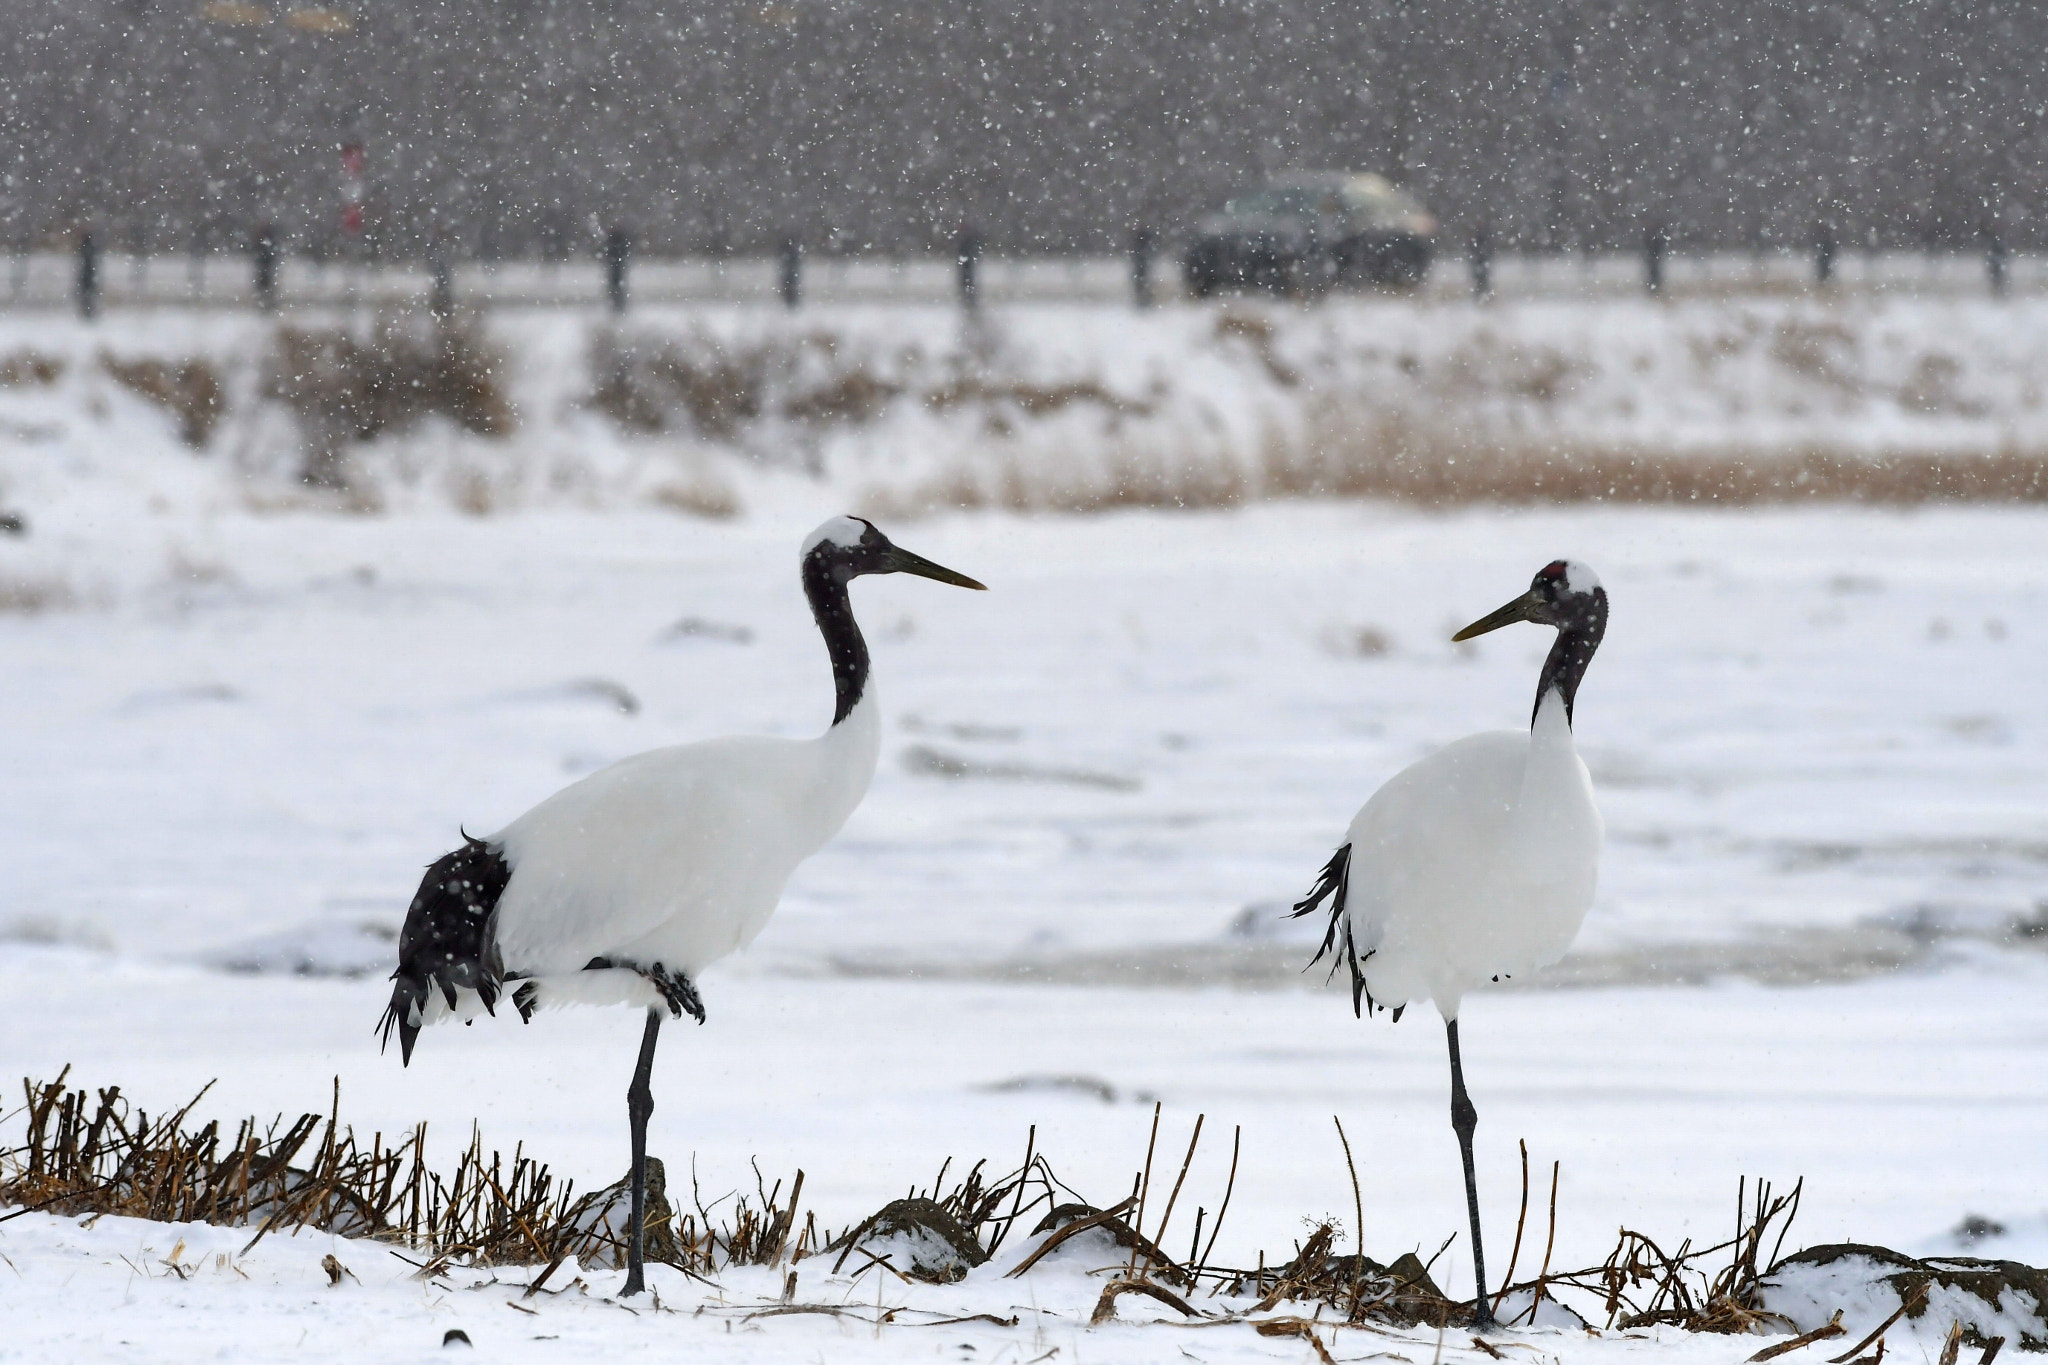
x,y
520,127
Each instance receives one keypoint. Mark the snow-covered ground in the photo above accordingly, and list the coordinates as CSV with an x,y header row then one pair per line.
x,y
1904,1101
1815,735
234,736
1810,729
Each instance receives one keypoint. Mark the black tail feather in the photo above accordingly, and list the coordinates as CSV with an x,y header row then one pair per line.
x,y
449,942
1334,885
408,999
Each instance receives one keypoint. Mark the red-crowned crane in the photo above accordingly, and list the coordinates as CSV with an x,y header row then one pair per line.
x,y
1479,861
621,888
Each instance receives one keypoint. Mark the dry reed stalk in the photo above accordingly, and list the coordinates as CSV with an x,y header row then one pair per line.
x,y
1236,1136
1097,1219
1358,1212
1295,1327
1909,1301
1830,1329
1549,1243
1017,1205
1187,1161
1105,1306
1145,1183
1520,1219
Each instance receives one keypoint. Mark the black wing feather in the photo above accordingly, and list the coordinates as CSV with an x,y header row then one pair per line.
x,y
450,939
1334,885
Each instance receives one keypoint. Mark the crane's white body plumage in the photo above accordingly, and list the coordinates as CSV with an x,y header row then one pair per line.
x,y
677,856
1477,862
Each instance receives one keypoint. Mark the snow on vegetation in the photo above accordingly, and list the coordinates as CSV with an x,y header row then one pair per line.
x,y
912,408
504,1226
408,1254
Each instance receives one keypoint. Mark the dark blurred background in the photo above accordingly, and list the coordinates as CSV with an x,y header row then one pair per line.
x,y
522,127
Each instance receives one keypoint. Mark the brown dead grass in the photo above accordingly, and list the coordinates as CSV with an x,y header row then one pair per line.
x,y
82,1152
346,389
656,386
1031,400
700,498
1510,477
1400,462
191,389
1256,334
855,396
34,596
716,388
29,369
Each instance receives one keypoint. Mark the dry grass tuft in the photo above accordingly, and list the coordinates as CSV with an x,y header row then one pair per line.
x,y
1029,399
1641,1284
701,498
656,386
1256,334
191,389
95,1153
1341,452
1404,462
34,596
724,390
343,389
29,370
716,389
86,1152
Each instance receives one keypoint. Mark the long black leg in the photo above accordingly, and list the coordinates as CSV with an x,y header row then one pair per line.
x,y
639,1104
1464,1118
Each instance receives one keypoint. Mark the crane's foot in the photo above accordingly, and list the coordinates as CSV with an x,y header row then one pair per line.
x,y
678,992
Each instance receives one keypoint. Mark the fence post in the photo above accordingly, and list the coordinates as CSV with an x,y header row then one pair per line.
x,y
138,264
1142,245
792,270
1482,261
441,298
1994,262
967,253
617,248
88,275
266,267
1656,245
1824,254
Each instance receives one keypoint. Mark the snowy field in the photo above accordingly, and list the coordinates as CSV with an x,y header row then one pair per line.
x,y
1815,734
240,723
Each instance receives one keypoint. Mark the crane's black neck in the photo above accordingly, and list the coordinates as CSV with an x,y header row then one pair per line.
x,y
825,586
1577,638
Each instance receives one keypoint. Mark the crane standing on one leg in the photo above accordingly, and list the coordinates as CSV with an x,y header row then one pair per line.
x,y
621,888
1478,862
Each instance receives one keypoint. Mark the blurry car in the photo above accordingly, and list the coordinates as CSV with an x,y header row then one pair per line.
x,y
1307,232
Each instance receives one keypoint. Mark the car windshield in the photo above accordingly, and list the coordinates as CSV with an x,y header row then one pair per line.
x,y
1281,203
1384,203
